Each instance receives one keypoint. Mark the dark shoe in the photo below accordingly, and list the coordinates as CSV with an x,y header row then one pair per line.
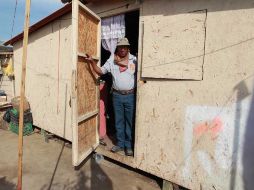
x,y
129,152
116,149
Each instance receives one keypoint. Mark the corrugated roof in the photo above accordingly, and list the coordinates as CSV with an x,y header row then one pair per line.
x,y
5,48
41,23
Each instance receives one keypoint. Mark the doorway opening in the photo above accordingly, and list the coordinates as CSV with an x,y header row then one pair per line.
x,y
107,130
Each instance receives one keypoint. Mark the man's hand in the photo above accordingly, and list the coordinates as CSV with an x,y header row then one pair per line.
x,y
88,58
91,60
94,62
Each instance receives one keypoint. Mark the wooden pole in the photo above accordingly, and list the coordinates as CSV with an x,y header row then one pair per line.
x,y
22,93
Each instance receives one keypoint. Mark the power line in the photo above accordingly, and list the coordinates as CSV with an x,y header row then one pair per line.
x,y
14,16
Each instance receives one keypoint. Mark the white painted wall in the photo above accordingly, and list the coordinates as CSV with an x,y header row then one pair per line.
x,y
48,85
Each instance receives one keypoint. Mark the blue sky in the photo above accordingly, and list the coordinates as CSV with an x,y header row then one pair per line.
x,y
39,10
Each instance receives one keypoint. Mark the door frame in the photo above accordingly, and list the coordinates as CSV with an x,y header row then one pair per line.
x,y
122,159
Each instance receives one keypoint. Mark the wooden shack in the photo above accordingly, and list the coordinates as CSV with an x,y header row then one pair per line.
x,y
194,121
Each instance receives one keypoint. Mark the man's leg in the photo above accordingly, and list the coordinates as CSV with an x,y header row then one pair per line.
x,y
129,108
119,119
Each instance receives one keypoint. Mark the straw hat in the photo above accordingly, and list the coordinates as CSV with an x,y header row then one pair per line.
x,y
123,42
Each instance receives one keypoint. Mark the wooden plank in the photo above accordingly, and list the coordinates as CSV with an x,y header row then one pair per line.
x,y
86,131
6,53
85,56
139,85
174,47
120,156
87,116
80,54
120,10
86,135
87,33
74,103
112,8
22,94
86,88
87,10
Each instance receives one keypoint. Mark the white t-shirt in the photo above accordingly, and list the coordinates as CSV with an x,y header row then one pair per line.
x,y
121,80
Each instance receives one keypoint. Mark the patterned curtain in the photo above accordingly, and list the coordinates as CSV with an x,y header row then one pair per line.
x,y
113,28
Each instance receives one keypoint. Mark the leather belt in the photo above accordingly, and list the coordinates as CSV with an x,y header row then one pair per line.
x,y
124,92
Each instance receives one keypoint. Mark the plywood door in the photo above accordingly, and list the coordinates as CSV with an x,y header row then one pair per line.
x,y
86,28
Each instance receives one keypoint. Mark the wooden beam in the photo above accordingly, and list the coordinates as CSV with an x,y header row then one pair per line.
x,y
6,53
96,58
89,11
74,104
22,93
87,116
120,10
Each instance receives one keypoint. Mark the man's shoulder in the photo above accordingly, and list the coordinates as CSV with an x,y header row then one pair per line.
x,y
133,58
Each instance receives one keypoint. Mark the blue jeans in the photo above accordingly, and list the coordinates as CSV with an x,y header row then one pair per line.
x,y
124,106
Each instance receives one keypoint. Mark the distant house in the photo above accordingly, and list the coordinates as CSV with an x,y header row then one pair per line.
x,y
6,72
5,49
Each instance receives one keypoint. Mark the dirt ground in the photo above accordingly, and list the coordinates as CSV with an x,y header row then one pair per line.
x,y
47,166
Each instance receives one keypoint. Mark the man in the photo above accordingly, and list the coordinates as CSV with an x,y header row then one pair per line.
x,y
122,66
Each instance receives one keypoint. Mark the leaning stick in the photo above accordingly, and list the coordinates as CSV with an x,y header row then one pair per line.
x,y
22,93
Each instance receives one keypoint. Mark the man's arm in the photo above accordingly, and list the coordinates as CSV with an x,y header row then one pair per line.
x,y
97,69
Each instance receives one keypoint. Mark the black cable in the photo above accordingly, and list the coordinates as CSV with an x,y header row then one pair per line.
x,y
14,16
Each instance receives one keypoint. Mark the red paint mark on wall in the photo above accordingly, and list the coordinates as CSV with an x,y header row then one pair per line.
x,y
213,127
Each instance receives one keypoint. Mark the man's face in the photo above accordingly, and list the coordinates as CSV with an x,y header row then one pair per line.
x,y
122,51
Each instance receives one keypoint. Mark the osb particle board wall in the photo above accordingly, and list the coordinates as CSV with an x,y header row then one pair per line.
x,y
87,95
163,59
87,43
197,133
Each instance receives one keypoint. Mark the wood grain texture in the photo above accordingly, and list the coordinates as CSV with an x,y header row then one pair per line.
x,y
22,95
86,85
87,33
172,113
87,95
86,134
174,46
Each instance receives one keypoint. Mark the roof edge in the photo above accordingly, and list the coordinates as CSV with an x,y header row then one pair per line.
x,y
41,23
